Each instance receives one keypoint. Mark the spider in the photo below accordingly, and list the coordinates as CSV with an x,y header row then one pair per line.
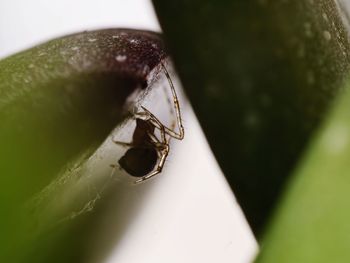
x,y
147,153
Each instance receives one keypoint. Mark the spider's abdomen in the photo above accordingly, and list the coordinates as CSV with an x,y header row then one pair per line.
x,y
139,161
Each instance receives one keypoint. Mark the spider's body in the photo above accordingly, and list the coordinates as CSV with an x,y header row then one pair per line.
x,y
141,136
142,157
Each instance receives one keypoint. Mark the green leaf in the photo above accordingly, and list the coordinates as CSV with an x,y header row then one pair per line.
x,y
58,102
312,221
260,76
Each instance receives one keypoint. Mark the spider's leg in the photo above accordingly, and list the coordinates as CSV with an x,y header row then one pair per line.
x,y
171,132
125,144
163,153
157,143
156,123
150,117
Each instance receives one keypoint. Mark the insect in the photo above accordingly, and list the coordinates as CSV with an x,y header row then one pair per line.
x,y
147,153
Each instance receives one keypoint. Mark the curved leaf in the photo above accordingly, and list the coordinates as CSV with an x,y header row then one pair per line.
x,y
59,101
260,76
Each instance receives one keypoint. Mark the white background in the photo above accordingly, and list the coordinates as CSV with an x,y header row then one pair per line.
x,y
24,23
191,214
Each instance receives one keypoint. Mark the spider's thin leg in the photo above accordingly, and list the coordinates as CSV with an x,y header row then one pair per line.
x,y
125,144
156,123
146,115
164,154
171,132
155,139
151,117
157,143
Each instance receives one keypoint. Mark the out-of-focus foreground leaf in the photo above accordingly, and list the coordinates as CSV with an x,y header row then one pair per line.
x,y
260,75
312,223
58,101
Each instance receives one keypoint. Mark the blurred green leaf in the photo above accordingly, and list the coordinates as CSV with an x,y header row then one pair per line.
x,y
312,221
260,75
